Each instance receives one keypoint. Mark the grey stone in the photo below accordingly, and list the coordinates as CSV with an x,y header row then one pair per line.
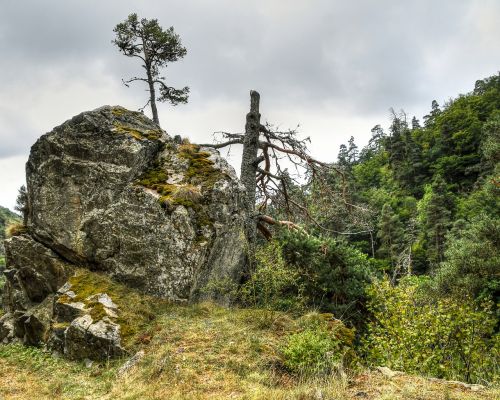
x,y
98,340
131,362
33,326
389,373
34,271
87,209
6,328
67,312
86,205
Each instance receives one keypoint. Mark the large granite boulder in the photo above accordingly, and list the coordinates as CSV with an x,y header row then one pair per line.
x,y
109,191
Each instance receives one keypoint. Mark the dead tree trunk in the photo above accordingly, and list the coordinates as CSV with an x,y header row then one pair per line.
x,y
249,166
267,181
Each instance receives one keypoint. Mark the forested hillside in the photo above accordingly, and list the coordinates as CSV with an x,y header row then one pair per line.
x,y
409,248
429,183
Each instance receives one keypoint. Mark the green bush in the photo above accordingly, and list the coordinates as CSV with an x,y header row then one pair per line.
x,y
446,338
472,261
273,285
334,274
319,347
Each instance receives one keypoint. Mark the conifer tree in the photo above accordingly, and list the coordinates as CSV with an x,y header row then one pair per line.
x,y
391,235
437,220
155,47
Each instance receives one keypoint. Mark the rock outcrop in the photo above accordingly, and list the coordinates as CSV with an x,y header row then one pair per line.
x,y
109,191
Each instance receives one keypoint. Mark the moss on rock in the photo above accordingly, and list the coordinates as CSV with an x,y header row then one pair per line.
x,y
125,122
199,177
135,311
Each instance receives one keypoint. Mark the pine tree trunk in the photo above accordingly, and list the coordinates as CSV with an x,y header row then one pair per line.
x,y
152,97
152,94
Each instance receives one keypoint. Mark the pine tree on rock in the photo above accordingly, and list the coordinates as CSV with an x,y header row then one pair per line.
x,y
155,47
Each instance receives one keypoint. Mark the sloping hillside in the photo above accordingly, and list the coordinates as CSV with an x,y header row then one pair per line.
x,y
206,352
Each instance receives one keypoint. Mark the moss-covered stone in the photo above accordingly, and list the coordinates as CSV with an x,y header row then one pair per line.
x,y
201,169
124,128
198,179
135,311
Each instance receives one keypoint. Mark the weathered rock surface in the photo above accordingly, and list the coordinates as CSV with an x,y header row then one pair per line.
x,y
109,191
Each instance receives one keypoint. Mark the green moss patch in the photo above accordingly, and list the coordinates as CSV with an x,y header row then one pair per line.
x,y
199,177
127,129
136,311
200,170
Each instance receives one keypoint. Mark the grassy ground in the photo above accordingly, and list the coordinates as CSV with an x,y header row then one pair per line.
x,y
204,352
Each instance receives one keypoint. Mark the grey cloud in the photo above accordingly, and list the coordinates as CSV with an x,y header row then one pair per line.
x,y
358,57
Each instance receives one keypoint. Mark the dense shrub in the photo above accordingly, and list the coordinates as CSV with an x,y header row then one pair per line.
x,y
321,345
334,274
273,285
445,338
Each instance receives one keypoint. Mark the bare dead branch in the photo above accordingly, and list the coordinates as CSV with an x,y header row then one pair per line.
x,y
221,145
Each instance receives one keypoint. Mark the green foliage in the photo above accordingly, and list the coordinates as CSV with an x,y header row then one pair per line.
x,y
321,346
435,218
446,338
333,273
472,261
273,285
391,235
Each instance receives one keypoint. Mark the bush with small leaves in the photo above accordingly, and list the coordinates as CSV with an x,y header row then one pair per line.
x,y
320,346
273,285
444,337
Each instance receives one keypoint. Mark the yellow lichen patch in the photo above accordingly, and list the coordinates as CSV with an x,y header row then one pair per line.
x,y
124,128
135,312
118,111
60,325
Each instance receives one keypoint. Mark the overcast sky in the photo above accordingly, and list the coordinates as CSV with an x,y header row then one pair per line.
x,y
334,67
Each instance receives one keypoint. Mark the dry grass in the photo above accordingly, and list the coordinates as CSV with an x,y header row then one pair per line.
x,y
204,352
15,229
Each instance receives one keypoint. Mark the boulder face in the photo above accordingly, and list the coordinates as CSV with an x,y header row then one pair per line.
x,y
109,191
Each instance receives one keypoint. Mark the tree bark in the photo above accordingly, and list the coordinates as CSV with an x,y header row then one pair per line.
x,y
249,167
152,98
152,94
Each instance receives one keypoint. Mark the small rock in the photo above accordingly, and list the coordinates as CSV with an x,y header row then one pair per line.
x,y
67,312
104,299
389,373
96,341
88,363
6,327
131,362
